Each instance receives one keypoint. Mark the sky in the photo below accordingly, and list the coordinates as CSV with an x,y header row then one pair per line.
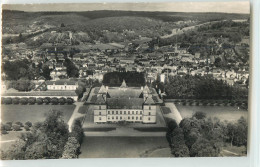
x,y
224,7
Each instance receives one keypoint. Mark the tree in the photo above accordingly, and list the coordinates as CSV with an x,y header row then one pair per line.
x,y
69,100
47,100
203,148
62,100
15,151
199,115
54,100
16,127
8,100
218,62
46,72
31,100
28,123
24,100
26,127
39,101
16,100
71,149
178,147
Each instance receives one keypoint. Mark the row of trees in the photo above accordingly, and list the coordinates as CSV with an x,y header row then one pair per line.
x,y
46,140
9,126
202,137
32,100
131,78
200,87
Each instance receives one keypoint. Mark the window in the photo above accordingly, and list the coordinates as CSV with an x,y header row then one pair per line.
x,y
108,112
112,117
149,113
136,118
112,112
99,113
136,112
116,112
128,112
149,118
116,117
100,118
133,117
141,112
133,112
140,118
108,117
124,112
149,107
100,107
128,117
120,112
120,118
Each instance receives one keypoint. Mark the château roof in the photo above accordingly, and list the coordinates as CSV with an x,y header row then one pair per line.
x,y
102,90
125,103
124,93
123,85
149,100
146,89
100,100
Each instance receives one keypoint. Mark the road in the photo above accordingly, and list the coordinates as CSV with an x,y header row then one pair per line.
x,y
75,114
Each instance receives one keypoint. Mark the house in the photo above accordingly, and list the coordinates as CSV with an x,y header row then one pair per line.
x,y
62,85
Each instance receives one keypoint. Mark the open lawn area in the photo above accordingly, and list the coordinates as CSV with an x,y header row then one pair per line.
x,y
32,113
228,113
124,147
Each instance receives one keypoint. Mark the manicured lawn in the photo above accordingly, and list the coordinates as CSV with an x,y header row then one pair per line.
x,y
122,147
228,113
32,113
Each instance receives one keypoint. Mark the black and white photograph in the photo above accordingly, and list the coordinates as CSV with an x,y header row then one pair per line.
x,y
125,80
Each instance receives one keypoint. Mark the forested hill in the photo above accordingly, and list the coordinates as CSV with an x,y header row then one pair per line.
x,y
164,16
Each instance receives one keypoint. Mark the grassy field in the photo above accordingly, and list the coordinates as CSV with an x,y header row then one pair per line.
x,y
32,113
123,147
228,113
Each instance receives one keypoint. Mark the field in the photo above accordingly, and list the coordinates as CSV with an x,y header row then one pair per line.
x,y
124,147
32,113
228,113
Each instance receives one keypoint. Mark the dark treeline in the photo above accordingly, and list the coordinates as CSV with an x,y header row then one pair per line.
x,y
201,87
131,78
199,136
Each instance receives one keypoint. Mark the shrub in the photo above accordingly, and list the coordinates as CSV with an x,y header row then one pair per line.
x,y
9,123
39,101
54,100
32,100
70,100
16,100
8,100
62,100
199,115
3,132
19,123
16,127
26,127
47,100
28,123
7,127
24,100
